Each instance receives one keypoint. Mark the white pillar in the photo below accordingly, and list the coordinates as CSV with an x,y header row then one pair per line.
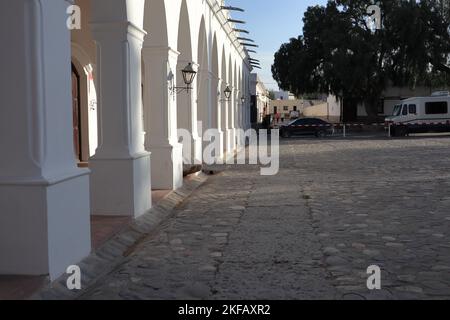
x,y
187,111
160,117
232,132
216,84
225,106
204,95
237,122
204,103
245,112
238,117
246,116
120,177
44,196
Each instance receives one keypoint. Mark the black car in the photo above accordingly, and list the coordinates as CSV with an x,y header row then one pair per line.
x,y
307,126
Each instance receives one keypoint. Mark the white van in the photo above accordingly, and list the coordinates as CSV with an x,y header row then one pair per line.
x,y
421,114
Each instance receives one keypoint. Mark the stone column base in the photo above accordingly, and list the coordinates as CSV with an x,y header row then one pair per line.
x,y
198,150
121,187
44,225
240,143
167,167
231,141
192,151
218,156
220,153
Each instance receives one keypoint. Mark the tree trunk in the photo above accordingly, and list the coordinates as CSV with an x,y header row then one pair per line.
x,y
371,106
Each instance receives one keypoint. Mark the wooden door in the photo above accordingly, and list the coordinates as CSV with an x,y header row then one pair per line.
x,y
76,113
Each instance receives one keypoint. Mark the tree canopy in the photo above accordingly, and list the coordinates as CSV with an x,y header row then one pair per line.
x,y
340,53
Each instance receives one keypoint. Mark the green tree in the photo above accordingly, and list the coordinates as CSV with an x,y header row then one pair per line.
x,y
339,53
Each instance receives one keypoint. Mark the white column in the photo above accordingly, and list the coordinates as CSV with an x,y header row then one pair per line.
x,y
239,113
204,95
160,117
232,125
187,110
225,106
120,177
238,117
246,117
204,103
244,121
44,196
216,84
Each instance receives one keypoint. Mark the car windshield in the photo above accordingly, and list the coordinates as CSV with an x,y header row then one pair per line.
x,y
397,110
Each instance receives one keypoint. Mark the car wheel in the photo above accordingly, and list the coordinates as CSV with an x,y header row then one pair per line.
x,y
285,134
394,132
402,132
321,134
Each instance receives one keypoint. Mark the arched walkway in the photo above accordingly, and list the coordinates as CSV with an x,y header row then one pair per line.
x,y
160,101
37,117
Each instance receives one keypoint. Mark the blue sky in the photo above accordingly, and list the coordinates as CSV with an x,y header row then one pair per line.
x,y
271,23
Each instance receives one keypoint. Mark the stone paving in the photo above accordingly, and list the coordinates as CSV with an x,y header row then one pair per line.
x,y
336,207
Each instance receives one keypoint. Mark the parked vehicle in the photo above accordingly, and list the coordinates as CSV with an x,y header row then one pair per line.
x,y
421,115
306,126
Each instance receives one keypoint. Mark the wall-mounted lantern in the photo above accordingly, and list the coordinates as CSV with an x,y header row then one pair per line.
x,y
227,92
188,77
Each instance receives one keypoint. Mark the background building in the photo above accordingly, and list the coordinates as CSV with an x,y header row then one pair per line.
x,y
328,109
283,95
285,107
260,99
324,107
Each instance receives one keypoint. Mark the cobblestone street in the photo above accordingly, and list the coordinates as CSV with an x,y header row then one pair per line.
x,y
335,208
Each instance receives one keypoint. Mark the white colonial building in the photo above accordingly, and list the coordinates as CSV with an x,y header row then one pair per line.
x,y
89,117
